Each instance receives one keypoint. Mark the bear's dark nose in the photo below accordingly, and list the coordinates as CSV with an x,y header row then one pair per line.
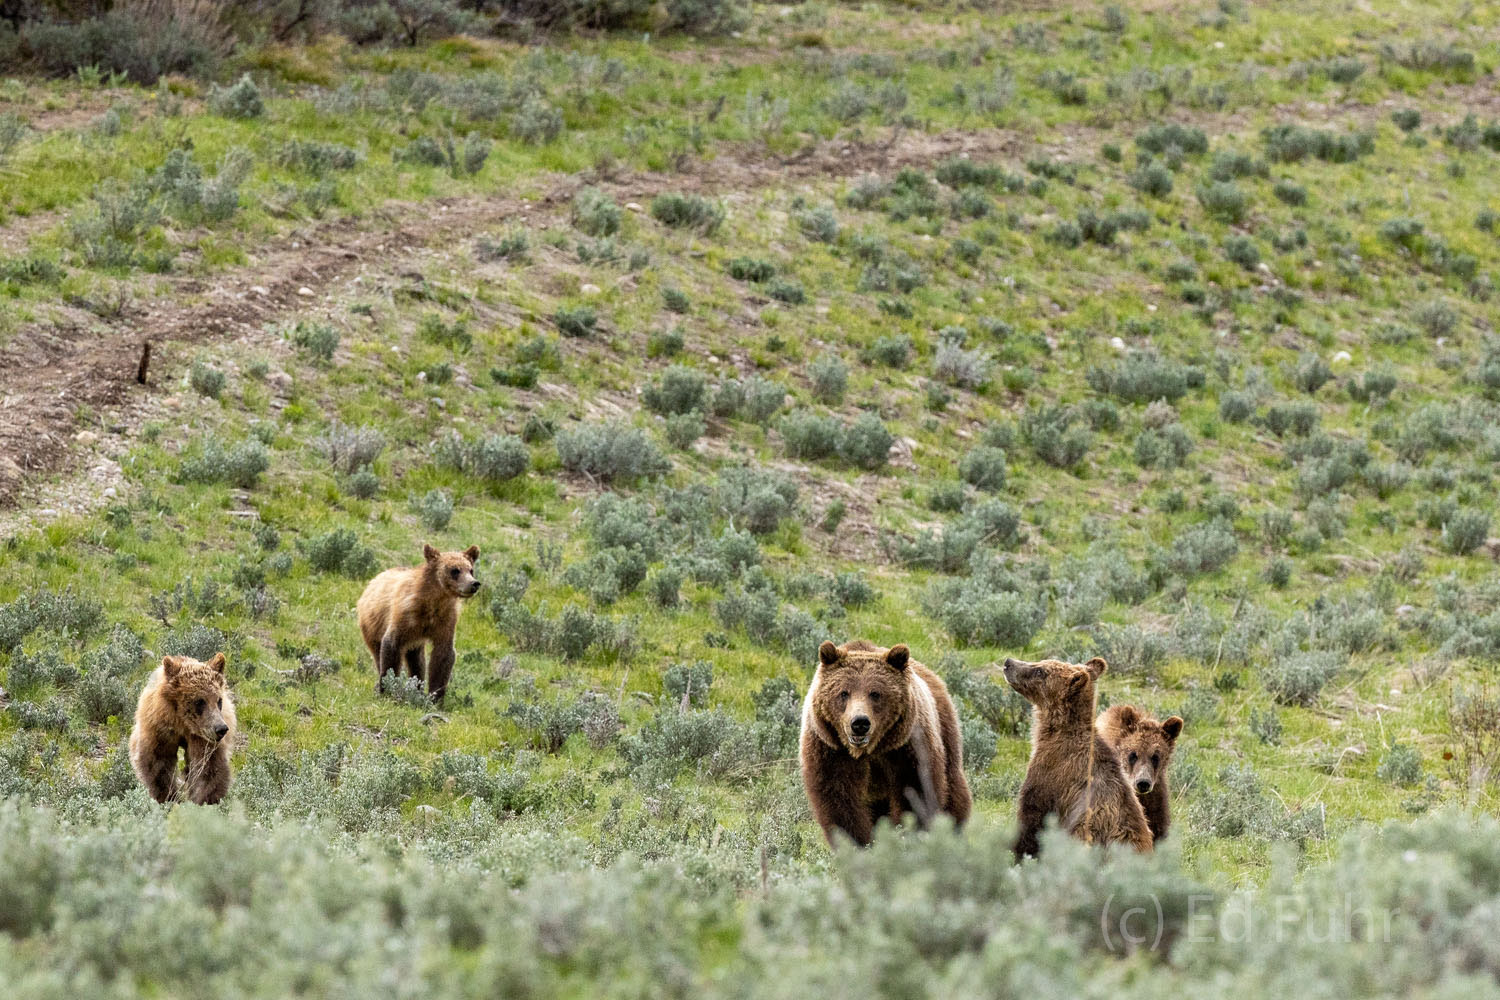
x,y
474,587
1142,786
860,726
220,730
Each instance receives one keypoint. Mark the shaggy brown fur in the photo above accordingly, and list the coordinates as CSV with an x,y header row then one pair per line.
x,y
185,706
404,609
1144,746
879,737
1073,772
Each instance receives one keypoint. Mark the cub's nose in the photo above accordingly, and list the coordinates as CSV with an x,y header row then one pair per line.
x,y
860,726
1142,787
474,587
220,730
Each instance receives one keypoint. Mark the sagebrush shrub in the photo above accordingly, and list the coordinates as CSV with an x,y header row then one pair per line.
x,y
596,213
496,457
242,100
435,509
610,452
338,551
690,211
679,389
348,449
866,443
211,461
1298,677
830,378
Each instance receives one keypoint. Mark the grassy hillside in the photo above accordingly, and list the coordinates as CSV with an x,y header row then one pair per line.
x,y
1166,335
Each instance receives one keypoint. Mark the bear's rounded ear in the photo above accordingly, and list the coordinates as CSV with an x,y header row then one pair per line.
x,y
217,662
429,553
828,653
898,656
1077,683
472,552
1097,666
1171,727
171,666
1125,716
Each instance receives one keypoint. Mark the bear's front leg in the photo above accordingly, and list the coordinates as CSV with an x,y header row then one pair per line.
x,y
207,771
440,667
1033,814
837,787
157,769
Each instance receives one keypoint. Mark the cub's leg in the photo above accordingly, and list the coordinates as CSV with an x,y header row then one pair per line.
x,y
208,771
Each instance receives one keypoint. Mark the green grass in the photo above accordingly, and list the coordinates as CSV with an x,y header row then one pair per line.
x,y
1043,315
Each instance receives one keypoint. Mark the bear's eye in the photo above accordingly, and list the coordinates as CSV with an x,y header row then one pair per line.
x,y
200,705
843,696
453,573
1156,760
1134,757
221,702
874,695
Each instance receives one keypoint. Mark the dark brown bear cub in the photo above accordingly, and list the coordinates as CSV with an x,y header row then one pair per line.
x,y
879,738
1073,772
1144,746
185,707
402,610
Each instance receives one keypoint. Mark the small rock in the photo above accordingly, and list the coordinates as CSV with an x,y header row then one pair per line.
x,y
48,512
440,403
421,376
260,289
1151,307
1117,343
86,438
631,206
432,717
1342,356
590,289
1403,610
426,810
304,290
110,492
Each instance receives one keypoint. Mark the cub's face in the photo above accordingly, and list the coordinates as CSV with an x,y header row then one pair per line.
x,y
455,570
862,692
196,691
1144,745
1050,683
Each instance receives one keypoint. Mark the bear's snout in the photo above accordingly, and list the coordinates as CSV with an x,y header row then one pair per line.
x,y
220,730
473,589
860,727
1142,786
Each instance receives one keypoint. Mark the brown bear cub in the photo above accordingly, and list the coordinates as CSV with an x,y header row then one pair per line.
x,y
185,706
404,609
879,737
1144,745
1073,772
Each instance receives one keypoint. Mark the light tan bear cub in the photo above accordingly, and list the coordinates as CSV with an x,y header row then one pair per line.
x,y
1144,745
1074,774
402,610
185,706
880,738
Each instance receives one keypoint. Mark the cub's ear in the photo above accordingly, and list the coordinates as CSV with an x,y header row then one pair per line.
x,y
429,553
1125,716
472,552
1097,666
171,666
898,656
1076,684
1171,727
828,653
217,662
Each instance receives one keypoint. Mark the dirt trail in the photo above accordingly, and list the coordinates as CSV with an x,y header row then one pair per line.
x,y
51,370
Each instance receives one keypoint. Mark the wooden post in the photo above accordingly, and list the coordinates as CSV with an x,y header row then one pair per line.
x,y
140,372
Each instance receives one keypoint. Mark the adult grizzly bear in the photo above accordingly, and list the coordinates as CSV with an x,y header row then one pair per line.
x,y
1144,745
185,706
402,610
879,737
1073,772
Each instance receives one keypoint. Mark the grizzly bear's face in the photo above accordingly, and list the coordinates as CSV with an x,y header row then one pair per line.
x,y
454,570
1053,683
196,691
862,693
1144,744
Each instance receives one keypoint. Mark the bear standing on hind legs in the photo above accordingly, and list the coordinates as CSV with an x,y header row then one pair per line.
x,y
879,737
185,706
402,610
1073,772
1144,745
